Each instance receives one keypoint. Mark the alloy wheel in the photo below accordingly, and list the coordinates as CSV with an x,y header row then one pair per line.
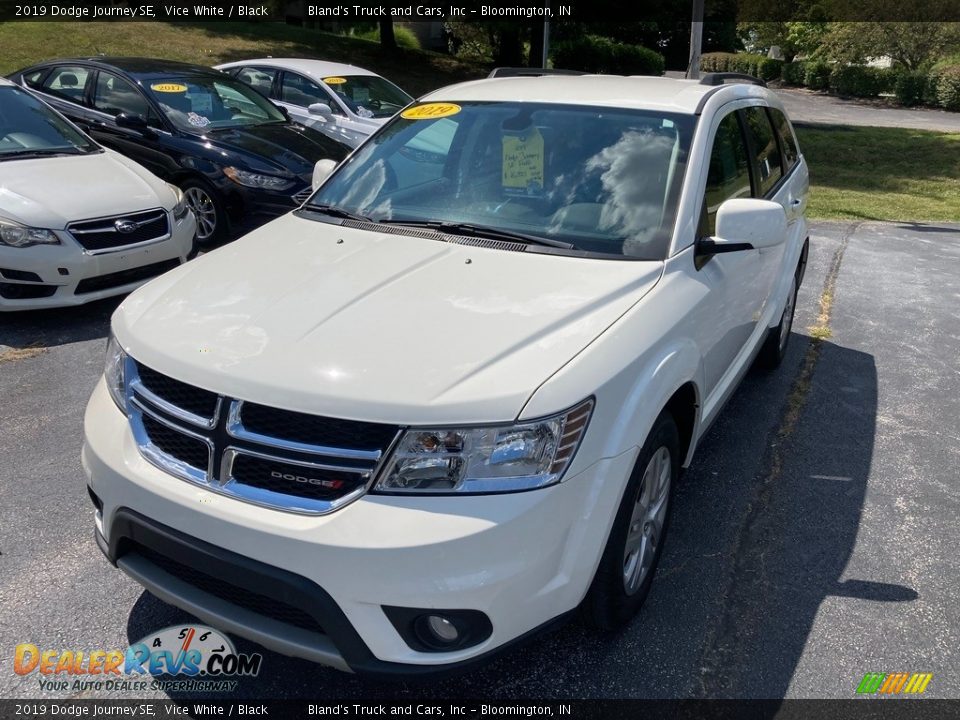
x,y
204,210
646,522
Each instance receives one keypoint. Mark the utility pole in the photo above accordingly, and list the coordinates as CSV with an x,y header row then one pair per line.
x,y
546,38
696,40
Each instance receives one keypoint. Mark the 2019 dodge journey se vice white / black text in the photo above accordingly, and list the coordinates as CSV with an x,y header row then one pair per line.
x,y
446,401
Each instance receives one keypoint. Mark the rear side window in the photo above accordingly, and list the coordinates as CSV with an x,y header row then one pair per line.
x,y
67,82
729,173
787,140
260,79
766,151
114,95
32,79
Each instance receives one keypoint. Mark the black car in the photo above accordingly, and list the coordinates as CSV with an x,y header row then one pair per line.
x,y
238,157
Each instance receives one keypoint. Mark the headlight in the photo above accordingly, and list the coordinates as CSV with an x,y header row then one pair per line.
x,y
256,180
16,235
180,209
114,373
490,459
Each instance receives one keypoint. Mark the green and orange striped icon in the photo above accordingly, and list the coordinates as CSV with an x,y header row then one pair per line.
x,y
894,683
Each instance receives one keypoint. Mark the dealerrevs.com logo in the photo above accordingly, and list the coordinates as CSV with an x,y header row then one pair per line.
x,y
198,658
894,683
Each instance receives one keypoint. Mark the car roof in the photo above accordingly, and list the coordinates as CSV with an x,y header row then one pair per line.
x,y
137,66
635,91
318,69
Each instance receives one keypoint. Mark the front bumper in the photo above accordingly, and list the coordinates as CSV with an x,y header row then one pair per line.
x,y
522,559
67,275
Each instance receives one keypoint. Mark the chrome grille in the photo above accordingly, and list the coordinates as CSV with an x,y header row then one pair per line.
x,y
120,231
280,459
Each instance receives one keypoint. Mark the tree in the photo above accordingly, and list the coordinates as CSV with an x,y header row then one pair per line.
x,y
387,37
913,45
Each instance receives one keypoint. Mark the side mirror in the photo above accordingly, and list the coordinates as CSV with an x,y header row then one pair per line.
x,y
132,122
321,109
746,224
321,171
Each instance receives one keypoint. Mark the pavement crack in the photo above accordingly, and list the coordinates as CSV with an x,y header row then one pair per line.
x,y
720,643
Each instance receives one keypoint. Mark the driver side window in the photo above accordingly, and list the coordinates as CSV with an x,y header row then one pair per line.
x,y
298,90
729,173
114,95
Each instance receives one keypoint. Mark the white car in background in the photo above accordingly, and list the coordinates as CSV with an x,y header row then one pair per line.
x,y
77,222
346,102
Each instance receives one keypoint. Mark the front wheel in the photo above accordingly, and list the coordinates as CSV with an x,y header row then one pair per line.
x,y
207,209
636,540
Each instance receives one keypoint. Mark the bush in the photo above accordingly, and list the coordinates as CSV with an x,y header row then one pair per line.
x,y
757,65
948,88
770,69
596,54
909,87
405,36
816,75
860,81
792,72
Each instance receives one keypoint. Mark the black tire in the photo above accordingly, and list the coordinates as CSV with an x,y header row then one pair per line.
x,y
207,207
613,599
774,348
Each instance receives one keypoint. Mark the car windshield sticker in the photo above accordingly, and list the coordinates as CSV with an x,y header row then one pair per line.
x,y
334,80
197,120
430,111
169,88
523,162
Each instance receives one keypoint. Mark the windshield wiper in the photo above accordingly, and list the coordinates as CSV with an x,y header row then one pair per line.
x,y
482,231
39,153
337,212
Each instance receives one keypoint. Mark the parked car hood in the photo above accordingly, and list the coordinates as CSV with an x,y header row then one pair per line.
x,y
293,147
377,327
54,191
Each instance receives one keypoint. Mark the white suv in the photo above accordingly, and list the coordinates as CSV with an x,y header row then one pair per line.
x,y
446,402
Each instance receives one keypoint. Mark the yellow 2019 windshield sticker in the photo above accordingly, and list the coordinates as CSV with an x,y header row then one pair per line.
x,y
169,87
523,161
430,111
334,80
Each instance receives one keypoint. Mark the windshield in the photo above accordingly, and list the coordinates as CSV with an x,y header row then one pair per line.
x,y
198,104
603,180
29,128
369,96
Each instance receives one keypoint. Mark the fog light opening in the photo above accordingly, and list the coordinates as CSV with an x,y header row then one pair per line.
x,y
442,629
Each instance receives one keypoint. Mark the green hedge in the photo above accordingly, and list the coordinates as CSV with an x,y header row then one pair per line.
x,y
757,65
860,80
948,88
793,73
596,54
816,75
909,87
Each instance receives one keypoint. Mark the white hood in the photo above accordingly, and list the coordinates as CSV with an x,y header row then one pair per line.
x,y
55,191
377,327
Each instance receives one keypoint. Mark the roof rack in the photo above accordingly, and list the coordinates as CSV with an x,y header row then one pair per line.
x,y
719,78
502,72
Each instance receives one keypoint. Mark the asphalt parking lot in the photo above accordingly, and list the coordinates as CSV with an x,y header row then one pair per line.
x,y
813,540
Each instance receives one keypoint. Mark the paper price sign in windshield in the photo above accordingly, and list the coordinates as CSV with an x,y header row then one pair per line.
x,y
523,161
